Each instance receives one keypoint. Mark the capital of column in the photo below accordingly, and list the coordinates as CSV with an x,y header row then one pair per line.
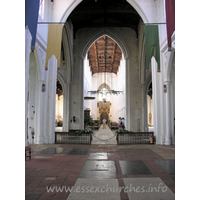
x,y
167,82
41,81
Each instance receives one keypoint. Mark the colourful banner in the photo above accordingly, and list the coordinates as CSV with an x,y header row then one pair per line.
x,y
170,18
31,17
152,46
54,43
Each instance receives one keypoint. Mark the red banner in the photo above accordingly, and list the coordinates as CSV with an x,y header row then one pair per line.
x,y
170,18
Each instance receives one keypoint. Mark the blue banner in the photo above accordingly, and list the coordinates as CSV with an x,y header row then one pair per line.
x,y
31,17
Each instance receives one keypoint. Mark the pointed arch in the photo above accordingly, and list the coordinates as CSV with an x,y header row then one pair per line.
x,y
103,86
98,34
75,3
140,11
62,81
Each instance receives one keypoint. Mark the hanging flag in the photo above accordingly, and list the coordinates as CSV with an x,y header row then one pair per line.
x,y
31,17
152,46
54,43
170,18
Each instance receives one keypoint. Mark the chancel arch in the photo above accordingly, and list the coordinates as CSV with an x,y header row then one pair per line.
x,y
107,69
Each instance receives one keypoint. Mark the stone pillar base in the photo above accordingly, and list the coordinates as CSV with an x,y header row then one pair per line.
x,y
40,140
167,141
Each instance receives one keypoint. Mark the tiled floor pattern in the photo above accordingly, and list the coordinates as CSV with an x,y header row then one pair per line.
x,y
167,165
99,170
79,151
134,168
69,165
52,150
98,156
100,189
147,188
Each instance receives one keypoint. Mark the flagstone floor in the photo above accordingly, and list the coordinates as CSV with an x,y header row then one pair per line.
x,y
100,171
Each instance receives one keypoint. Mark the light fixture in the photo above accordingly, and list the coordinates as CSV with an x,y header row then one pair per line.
x,y
43,87
165,88
89,98
74,119
93,92
32,132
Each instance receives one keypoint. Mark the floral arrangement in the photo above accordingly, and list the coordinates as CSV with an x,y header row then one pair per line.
x,y
122,130
86,130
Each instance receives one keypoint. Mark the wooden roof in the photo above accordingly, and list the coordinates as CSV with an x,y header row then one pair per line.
x,y
104,56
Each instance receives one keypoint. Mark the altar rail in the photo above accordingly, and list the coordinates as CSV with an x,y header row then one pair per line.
x,y
72,138
135,138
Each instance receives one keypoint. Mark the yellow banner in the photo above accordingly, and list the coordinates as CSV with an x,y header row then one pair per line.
x,y
54,43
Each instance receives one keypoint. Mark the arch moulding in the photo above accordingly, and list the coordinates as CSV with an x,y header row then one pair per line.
x,y
60,78
75,3
102,86
99,33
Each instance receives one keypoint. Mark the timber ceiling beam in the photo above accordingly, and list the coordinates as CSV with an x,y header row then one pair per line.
x,y
96,55
104,56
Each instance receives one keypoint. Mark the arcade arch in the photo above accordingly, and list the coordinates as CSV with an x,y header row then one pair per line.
x,y
138,6
83,38
105,82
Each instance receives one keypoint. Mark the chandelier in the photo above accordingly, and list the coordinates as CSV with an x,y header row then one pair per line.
x,y
107,91
93,92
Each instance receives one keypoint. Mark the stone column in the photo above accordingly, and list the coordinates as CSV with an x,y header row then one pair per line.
x,y
81,93
127,94
28,39
154,95
40,137
52,67
158,111
45,108
167,136
66,107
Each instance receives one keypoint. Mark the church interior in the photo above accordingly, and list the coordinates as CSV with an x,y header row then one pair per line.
x,y
100,99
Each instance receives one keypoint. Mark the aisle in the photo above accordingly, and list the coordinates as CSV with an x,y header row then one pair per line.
x,y
104,136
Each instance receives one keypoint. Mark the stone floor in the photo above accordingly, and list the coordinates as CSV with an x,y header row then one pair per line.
x,y
100,171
